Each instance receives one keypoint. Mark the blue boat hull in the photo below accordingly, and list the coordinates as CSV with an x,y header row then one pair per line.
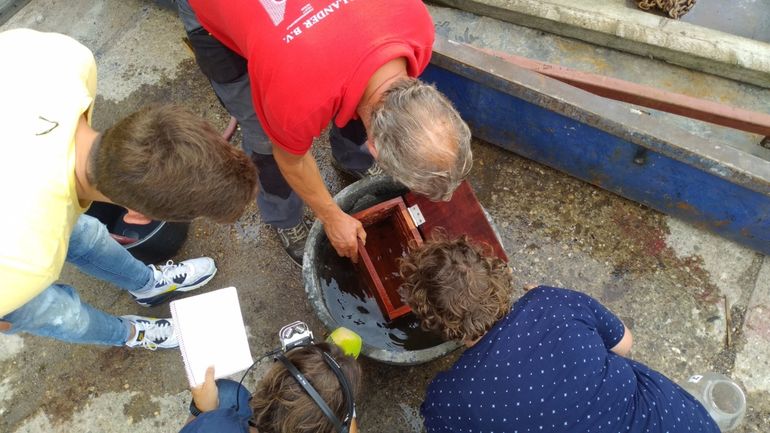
x,y
608,144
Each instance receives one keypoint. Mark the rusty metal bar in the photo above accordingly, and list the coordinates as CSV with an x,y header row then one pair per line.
x,y
646,96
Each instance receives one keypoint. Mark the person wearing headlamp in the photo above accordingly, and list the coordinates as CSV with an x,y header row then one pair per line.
x,y
281,403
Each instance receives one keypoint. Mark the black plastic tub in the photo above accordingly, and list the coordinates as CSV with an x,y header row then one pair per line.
x,y
334,289
155,242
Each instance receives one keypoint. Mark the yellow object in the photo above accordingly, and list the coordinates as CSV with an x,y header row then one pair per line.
x,y
347,340
47,82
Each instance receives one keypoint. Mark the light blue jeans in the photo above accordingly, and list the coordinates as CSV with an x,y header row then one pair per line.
x,y
59,313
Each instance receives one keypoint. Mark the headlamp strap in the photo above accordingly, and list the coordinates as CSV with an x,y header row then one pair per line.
x,y
305,384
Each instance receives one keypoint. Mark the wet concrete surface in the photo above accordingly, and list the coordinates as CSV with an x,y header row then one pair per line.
x,y
666,280
747,18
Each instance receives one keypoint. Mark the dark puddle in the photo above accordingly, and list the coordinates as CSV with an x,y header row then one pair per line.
x,y
352,305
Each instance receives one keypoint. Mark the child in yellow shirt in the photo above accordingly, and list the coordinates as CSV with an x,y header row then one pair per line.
x,y
160,162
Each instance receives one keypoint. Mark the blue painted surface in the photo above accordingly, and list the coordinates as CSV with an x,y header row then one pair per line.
x,y
608,161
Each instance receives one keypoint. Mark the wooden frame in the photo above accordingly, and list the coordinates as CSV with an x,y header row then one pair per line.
x,y
388,225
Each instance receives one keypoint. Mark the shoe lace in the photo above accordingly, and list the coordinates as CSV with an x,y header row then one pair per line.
x,y
294,234
155,332
170,271
374,170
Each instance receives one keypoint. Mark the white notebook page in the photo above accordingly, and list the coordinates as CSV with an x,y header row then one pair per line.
x,y
210,331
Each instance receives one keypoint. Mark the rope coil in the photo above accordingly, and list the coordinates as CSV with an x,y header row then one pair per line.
x,y
674,8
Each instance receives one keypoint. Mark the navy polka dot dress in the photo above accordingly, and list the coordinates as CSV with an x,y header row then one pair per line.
x,y
547,367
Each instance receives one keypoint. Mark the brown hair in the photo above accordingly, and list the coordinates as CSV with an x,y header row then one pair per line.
x,y
169,164
455,288
281,405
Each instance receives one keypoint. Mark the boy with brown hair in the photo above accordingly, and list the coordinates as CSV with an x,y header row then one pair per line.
x,y
553,360
279,404
162,161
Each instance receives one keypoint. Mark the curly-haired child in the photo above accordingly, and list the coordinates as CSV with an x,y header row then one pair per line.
x,y
552,361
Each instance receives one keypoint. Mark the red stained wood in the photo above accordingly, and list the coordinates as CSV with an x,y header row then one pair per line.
x,y
390,232
462,215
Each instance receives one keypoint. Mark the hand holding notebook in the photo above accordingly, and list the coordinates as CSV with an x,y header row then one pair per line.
x,y
210,331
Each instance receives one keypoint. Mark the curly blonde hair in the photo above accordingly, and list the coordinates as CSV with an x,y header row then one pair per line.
x,y
457,289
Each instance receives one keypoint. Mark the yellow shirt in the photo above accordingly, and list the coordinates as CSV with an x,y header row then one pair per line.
x,y
47,82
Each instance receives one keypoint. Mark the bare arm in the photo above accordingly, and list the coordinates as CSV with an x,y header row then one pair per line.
x,y
301,172
205,395
623,348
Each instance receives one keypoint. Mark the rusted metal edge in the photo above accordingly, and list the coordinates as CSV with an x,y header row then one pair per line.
x,y
616,118
647,96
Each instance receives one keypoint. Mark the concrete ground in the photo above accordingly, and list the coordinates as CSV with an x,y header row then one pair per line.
x,y
668,281
747,18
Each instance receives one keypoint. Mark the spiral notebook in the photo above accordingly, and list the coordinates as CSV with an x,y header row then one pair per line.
x,y
210,331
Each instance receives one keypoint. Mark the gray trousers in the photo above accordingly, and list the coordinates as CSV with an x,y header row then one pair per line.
x,y
278,204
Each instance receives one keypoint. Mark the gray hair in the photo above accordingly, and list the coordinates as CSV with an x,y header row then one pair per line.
x,y
421,140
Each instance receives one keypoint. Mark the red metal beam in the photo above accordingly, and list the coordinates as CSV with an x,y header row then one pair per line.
x,y
646,96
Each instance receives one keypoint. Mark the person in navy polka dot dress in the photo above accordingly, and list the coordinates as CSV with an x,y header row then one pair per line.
x,y
554,361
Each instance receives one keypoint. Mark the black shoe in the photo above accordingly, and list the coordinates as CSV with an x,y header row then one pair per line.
x,y
293,240
351,136
373,170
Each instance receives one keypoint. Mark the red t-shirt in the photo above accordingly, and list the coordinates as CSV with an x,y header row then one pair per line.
x,y
310,60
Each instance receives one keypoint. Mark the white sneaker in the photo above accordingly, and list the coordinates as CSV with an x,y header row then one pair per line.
x,y
174,278
152,333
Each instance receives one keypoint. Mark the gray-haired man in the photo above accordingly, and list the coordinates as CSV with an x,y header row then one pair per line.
x,y
287,69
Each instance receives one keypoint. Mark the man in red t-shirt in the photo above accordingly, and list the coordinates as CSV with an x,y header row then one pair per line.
x,y
286,69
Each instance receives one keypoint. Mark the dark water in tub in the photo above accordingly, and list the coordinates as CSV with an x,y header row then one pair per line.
x,y
351,304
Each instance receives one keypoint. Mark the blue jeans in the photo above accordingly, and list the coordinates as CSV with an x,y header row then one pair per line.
x,y
59,313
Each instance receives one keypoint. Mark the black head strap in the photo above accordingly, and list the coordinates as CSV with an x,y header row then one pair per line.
x,y
305,384
346,390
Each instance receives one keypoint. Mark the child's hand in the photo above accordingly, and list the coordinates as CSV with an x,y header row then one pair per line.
x,y
206,395
528,287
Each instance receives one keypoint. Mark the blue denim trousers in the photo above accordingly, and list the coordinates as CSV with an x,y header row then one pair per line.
x,y
59,313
